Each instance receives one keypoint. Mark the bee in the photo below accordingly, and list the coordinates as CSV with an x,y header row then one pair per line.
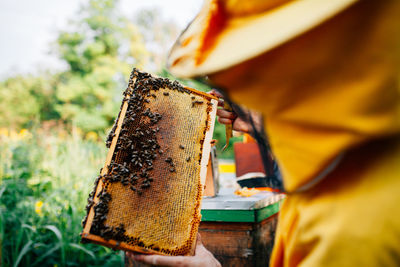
x,y
188,159
134,177
181,146
145,185
166,93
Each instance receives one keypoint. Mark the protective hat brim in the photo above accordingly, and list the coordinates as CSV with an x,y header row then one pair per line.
x,y
246,37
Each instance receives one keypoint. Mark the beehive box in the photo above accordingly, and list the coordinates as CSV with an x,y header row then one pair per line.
x,y
148,195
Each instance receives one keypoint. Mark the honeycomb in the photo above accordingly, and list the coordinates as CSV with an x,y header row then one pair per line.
x,y
147,197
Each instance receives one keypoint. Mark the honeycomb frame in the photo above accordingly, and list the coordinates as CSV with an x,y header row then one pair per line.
x,y
144,88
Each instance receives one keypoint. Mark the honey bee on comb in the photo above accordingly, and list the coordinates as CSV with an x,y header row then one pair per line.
x,y
147,196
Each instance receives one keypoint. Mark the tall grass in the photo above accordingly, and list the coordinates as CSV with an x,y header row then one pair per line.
x,y
45,179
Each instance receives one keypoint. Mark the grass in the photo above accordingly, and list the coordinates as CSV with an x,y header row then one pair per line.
x,y
45,179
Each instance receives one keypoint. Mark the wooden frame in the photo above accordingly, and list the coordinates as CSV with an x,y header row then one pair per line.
x,y
206,147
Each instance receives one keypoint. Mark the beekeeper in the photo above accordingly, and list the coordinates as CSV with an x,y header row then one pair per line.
x,y
325,77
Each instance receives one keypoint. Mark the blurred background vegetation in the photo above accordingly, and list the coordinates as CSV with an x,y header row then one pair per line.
x,y
52,131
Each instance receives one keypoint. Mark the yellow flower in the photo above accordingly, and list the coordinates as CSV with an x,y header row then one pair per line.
x,y
92,136
24,133
38,207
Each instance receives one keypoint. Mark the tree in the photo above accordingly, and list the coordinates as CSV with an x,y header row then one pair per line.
x,y
99,50
27,99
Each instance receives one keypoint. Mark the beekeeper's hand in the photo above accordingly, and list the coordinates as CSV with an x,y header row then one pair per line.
x,y
202,257
230,117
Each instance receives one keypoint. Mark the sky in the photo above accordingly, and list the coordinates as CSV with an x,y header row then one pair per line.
x,y
28,27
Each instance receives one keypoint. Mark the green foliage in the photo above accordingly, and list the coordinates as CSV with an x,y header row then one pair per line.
x,y
15,91
98,66
26,99
44,183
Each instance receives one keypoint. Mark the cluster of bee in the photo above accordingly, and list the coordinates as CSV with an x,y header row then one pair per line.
x,y
116,173
152,83
171,164
100,216
100,212
137,149
154,117
90,199
116,233
111,135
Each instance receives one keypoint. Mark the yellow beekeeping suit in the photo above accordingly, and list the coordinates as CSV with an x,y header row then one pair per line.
x,y
331,101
